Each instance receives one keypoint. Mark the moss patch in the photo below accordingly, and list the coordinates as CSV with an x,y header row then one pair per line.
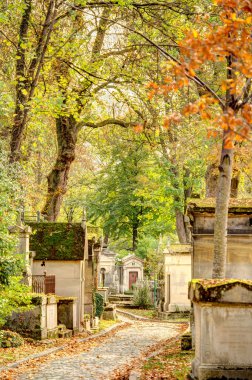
x,y
57,241
208,205
212,290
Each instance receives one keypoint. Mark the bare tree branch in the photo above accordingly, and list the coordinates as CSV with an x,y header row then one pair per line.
x,y
165,53
103,123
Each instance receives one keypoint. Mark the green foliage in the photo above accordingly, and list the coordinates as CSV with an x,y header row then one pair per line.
x,y
13,298
9,266
13,294
58,241
141,296
99,304
127,192
10,339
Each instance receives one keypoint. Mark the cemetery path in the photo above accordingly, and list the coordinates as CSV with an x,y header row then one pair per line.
x,y
112,355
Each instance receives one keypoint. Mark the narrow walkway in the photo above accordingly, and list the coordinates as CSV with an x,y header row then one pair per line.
x,y
101,361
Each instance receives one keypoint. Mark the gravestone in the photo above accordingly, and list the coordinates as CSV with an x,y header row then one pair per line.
x,y
223,329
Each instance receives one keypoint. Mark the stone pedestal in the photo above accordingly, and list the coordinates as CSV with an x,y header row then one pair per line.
x,y
51,317
223,329
104,293
23,232
109,312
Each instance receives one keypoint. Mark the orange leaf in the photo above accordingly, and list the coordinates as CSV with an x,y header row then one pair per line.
x,y
138,128
166,123
228,144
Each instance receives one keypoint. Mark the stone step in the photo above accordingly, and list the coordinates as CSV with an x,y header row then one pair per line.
x,y
120,297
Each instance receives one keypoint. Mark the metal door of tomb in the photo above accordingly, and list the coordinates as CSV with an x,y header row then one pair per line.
x,y
132,278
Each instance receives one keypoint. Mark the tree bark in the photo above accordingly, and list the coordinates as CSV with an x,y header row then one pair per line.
x,y
180,226
212,182
134,236
67,133
178,200
27,76
221,213
22,86
211,179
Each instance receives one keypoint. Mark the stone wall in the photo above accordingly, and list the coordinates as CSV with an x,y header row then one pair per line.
x,y
69,280
239,256
38,323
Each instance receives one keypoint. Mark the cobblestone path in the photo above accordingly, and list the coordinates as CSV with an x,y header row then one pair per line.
x,y
100,361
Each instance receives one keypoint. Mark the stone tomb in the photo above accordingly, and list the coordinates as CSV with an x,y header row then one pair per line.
x,y
67,312
201,213
177,274
223,329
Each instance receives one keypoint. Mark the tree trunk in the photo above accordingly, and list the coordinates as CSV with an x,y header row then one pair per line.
x,y
57,179
180,227
212,182
211,179
22,87
221,213
67,133
134,236
27,76
183,236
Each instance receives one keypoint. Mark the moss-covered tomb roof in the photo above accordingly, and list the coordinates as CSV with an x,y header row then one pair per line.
x,y
208,205
57,241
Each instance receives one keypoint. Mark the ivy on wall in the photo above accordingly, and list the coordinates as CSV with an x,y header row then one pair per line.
x,y
57,241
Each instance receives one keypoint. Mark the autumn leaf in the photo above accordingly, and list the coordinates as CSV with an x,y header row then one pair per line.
x,y
138,128
228,143
166,123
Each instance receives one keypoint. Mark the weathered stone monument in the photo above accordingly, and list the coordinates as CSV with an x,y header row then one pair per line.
x,y
23,233
222,326
132,269
108,269
223,329
239,237
177,274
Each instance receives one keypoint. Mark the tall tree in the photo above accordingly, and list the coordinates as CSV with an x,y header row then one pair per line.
x,y
30,56
128,196
228,42
67,125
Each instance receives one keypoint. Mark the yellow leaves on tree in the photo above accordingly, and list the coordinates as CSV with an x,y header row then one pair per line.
x,y
228,40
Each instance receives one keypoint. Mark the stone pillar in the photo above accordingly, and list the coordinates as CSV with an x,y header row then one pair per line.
x,y
167,292
223,329
104,292
51,317
23,232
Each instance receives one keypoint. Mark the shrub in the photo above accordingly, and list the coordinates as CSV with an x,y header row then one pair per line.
x,y
10,339
13,294
99,305
142,296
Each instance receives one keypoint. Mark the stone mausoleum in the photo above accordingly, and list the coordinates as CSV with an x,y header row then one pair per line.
x,y
239,237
